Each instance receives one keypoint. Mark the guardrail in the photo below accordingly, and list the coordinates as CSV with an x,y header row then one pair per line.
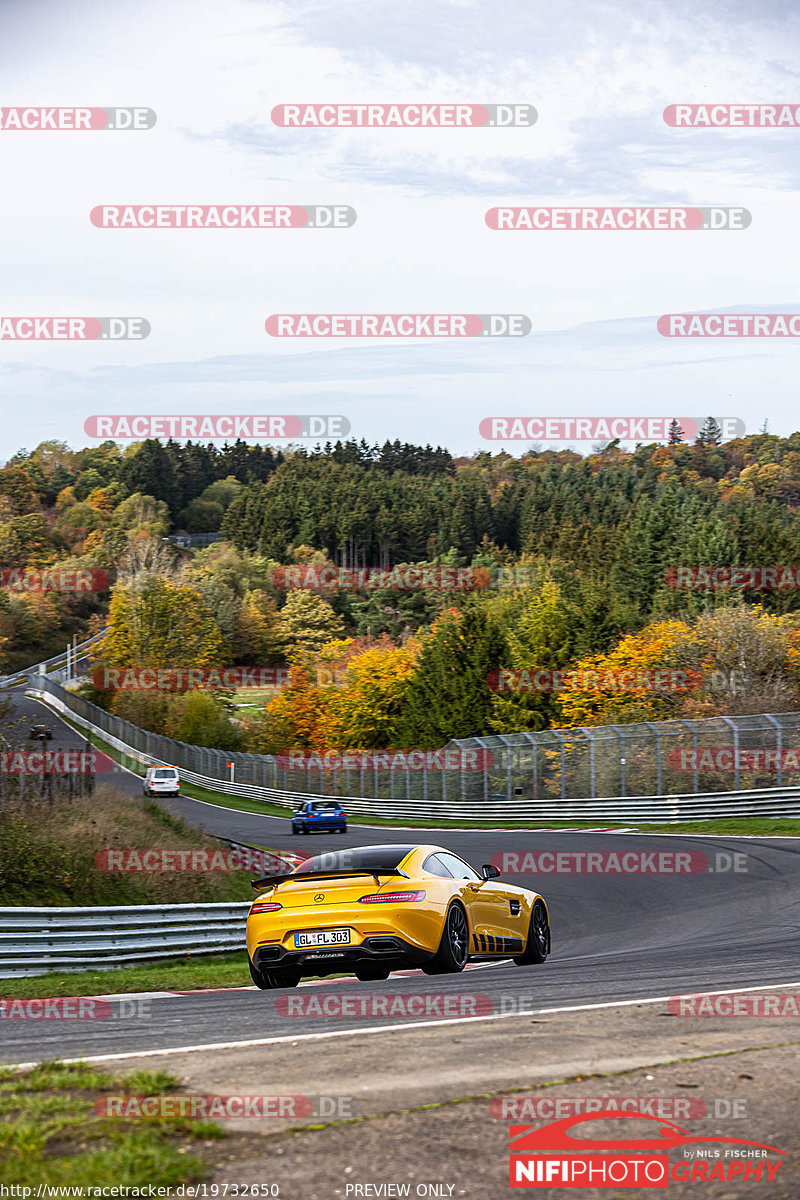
x,y
58,660
186,540
663,809
34,941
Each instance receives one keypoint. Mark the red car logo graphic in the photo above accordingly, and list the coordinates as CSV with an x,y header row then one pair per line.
x,y
555,1136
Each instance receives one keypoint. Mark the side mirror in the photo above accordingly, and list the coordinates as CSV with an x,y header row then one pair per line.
x,y
489,872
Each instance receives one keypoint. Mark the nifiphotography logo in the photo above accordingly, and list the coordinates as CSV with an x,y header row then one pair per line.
x,y
551,1156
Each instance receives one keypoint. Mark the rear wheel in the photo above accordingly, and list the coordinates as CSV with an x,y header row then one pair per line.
x,y
275,978
367,972
538,944
454,946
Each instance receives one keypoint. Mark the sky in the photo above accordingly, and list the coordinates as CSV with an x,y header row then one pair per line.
x,y
599,77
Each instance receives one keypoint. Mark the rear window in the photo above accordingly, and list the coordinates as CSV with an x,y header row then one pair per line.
x,y
367,858
326,804
166,773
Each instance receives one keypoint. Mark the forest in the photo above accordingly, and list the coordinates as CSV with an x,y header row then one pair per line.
x,y
580,553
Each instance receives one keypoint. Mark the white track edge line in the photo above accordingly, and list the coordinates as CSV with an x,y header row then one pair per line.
x,y
308,1037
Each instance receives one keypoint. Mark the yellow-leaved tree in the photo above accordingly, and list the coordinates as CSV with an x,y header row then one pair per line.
x,y
621,685
157,623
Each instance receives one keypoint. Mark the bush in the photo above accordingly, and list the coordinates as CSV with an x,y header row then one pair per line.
x,y
39,866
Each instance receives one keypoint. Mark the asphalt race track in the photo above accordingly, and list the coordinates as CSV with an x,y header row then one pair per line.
x,y
616,937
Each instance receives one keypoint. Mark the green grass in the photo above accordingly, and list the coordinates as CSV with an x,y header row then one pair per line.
x,y
254,697
178,975
53,852
51,1134
755,826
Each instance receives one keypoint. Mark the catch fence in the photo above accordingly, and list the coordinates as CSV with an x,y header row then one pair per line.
x,y
658,771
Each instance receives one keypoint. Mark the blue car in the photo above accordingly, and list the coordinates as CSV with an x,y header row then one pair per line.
x,y
319,816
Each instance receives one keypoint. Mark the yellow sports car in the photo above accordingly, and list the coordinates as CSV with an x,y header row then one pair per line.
x,y
378,909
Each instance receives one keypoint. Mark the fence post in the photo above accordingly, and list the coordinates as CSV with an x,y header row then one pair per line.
x,y
735,729
690,726
592,782
535,744
657,732
563,777
778,746
618,729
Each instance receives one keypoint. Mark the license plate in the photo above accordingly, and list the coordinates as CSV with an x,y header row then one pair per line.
x,y
324,937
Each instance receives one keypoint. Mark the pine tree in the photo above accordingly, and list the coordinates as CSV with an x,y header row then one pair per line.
x,y
449,696
675,435
710,434
151,471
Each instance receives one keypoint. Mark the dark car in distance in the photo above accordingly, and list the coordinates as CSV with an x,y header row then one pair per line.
x,y
319,816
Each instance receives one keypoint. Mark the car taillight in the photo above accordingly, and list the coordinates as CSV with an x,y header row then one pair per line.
x,y
262,906
391,897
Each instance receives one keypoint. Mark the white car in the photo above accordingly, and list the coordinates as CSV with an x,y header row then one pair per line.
x,y
162,781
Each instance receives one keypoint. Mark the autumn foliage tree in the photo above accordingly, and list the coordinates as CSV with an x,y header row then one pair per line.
x,y
621,686
159,624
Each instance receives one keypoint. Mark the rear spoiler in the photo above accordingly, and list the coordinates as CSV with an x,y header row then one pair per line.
x,y
273,880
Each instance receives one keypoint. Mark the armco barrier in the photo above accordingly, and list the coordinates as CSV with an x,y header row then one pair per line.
x,y
457,804
34,941
50,664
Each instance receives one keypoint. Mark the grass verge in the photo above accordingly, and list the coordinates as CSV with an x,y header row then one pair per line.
x,y
51,1133
57,852
176,975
